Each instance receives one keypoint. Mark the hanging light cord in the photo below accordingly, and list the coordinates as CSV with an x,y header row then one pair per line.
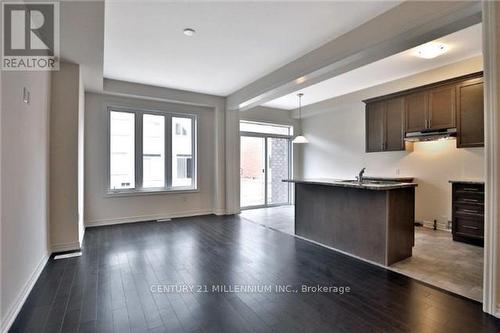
x,y
300,105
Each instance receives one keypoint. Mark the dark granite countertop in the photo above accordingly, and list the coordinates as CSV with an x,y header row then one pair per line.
x,y
467,181
344,183
394,179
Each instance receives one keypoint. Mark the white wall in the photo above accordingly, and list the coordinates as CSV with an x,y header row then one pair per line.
x,y
66,159
337,149
24,199
225,193
103,209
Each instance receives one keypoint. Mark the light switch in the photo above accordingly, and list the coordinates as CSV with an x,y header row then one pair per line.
x,y
26,95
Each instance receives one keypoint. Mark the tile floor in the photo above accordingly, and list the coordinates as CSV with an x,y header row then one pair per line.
x,y
439,261
436,260
280,218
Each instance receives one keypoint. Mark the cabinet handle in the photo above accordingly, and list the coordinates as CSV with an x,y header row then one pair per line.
x,y
470,189
470,200
470,227
469,211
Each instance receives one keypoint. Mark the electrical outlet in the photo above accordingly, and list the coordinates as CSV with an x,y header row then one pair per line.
x,y
397,172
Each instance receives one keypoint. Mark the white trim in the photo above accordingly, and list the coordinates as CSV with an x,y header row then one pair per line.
x,y
139,192
430,225
82,235
63,247
145,218
232,162
219,212
23,295
492,156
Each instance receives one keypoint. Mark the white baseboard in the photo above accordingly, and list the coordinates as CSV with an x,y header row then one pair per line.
x,y
219,212
23,295
142,218
429,224
65,247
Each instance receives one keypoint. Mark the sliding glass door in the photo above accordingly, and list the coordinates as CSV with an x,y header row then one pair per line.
x,y
252,171
265,162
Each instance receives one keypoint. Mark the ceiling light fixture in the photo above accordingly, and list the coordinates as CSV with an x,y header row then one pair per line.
x,y
431,50
189,32
300,138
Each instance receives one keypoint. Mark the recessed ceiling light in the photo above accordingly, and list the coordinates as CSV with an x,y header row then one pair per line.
x,y
431,50
189,32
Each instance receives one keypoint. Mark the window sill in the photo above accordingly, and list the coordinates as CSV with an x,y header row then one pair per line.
x,y
132,193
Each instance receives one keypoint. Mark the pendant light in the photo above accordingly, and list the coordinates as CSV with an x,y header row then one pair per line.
x,y
300,138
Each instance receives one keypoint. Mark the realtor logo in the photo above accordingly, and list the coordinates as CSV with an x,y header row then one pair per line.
x,y
30,36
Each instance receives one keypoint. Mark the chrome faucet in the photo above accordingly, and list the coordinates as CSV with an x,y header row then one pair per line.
x,y
360,175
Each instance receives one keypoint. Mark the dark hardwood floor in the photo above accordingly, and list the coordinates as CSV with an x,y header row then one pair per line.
x,y
108,289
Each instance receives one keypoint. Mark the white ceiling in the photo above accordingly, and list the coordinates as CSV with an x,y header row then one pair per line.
x,y
462,44
236,42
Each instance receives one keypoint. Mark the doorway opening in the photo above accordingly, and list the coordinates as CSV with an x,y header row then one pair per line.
x,y
266,155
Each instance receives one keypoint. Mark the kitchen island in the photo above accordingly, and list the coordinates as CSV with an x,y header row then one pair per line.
x,y
372,220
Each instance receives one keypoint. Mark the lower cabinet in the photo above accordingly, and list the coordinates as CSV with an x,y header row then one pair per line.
x,y
468,212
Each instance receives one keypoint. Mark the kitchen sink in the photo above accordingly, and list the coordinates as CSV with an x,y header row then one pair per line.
x,y
369,182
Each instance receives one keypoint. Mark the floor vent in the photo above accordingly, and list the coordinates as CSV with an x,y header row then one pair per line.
x,y
164,220
68,255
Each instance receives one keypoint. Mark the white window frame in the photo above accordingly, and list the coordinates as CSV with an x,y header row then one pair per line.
x,y
138,158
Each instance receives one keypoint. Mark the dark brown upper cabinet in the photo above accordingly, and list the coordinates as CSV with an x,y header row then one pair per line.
x,y
394,124
470,114
416,107
385,125
441,112
375,114
452,103
430,109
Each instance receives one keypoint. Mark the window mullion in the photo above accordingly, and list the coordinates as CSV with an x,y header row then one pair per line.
x,y
194,153
138,150
168,151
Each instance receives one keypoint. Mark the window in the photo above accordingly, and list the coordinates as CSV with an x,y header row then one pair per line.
x,y
151,151
121,147
182,151
255,127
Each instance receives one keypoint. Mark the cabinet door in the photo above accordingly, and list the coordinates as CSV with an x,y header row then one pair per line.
x,y
470,114
375,114
416,112
394,124
441,112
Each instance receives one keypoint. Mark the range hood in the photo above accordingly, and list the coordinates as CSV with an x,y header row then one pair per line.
x,y
431,135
